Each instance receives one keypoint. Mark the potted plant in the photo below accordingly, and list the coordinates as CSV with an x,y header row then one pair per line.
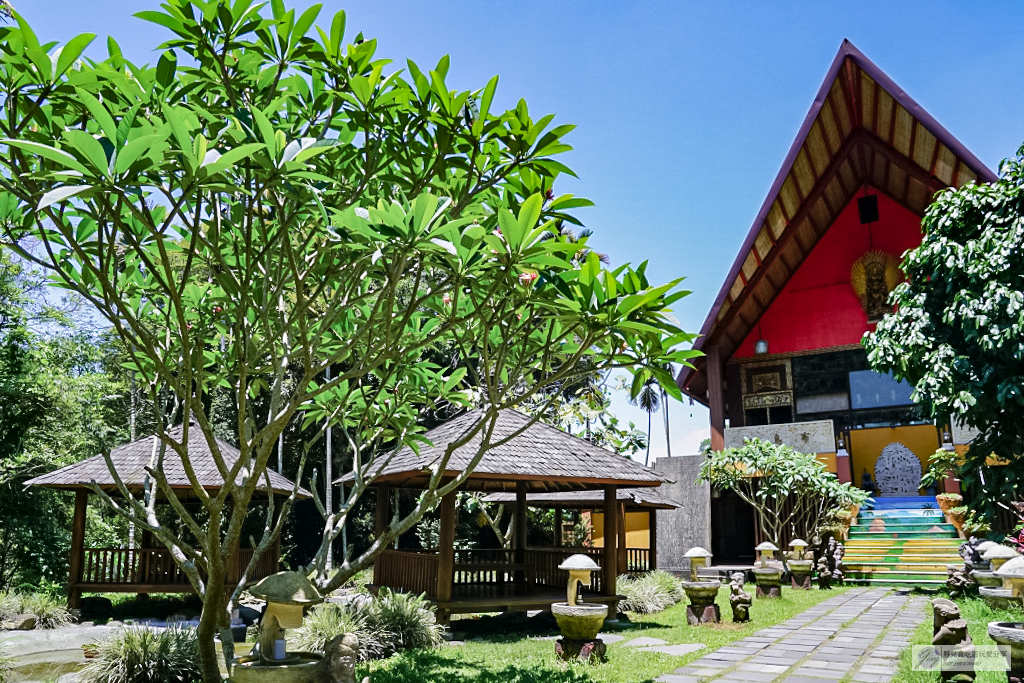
x,y
975,525
948,501
941,467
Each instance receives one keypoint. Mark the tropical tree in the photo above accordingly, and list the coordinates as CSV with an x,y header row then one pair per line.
x,y
766,475
956,331
281,203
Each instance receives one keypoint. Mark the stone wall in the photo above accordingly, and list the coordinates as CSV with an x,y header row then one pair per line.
x,y
688,526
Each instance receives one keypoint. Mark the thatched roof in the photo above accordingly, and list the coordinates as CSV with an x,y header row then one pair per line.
x,y
642,499
544,457
131,459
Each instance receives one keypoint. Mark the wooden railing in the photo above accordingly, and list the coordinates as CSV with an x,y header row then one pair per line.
x,y
411,572
546,561
638,560
156,566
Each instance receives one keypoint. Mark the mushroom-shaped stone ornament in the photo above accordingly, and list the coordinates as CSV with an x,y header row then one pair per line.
x,y
1012,574
985,546
698,558
998,555
287,595
767,552
579,567
799,547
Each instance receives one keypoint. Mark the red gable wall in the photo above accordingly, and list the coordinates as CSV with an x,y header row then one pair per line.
x,y
818,308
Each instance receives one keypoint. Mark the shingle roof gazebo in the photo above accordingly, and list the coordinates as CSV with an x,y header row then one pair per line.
x,y
541,459
148,569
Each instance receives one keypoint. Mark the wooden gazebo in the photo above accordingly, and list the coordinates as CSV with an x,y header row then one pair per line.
x,y
541,459
646,501
148,569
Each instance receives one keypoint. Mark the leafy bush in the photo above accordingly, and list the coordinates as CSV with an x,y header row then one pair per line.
x,y
329,620
141,655
48,611
409,617
358,581
649,593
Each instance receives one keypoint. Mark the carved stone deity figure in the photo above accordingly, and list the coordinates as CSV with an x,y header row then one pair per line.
x,y
339,662
739,598
957,581
836,551
950,630
824,574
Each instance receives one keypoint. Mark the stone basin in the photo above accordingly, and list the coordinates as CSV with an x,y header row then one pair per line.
x,y
1010,633
998,598
577,622
299,668
702,590
986,579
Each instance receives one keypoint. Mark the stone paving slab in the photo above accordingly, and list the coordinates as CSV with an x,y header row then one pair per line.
x,y
856,636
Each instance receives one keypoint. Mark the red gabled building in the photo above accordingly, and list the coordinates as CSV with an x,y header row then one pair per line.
x,y
782,343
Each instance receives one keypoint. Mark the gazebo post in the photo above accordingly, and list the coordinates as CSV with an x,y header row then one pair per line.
x,y
446,549
519,535
609,558
623,564
652,542
76,564
558,526
380,518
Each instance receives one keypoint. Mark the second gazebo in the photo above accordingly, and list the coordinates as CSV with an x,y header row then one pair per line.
x,y
541,459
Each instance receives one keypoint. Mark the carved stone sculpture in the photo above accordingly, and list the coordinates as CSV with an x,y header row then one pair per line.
x,y
339,662
949,629
824,574
898,470
957,581
739,598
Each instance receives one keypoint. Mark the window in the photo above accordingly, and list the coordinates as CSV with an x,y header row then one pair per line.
x,y
870,389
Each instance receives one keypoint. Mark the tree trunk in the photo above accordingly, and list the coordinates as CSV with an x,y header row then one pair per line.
x,y
648,456
668,437
210,619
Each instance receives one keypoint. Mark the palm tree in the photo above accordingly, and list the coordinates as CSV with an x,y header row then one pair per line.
x,y
649,399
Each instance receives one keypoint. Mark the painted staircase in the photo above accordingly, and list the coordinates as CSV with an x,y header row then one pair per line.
x,y
901,541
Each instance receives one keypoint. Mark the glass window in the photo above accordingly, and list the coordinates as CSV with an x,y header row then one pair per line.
x,y
870,389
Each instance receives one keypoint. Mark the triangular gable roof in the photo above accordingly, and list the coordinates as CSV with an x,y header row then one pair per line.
x,y
131,459
544,457
861,129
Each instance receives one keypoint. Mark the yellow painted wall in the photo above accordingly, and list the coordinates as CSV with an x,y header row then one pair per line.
x,y
829,461
638,533
867,444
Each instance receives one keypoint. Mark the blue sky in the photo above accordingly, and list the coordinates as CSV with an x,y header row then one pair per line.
x,y
684,110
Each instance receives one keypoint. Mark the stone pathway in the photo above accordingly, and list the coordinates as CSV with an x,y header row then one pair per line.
x,y
855,637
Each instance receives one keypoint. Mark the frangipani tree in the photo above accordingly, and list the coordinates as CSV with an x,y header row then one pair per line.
x,y
276,203
767,475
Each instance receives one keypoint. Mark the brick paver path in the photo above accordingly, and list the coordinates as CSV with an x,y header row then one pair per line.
x,y
856,636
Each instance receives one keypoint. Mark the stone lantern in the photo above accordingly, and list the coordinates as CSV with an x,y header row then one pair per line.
x,y
991,586
767,578
699,558
998,555
1012,575
702,608
579,623
800,568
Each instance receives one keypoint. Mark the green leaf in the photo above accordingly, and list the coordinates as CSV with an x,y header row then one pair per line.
x,y
99,113
232,157
67,55
266,132
135,149
47,152
529,214
485,105
90,148
166,68
60,194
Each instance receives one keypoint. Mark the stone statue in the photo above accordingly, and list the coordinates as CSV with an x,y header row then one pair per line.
x,y
957,581
969,551
739,599
824,574
950,630
836,551
339,662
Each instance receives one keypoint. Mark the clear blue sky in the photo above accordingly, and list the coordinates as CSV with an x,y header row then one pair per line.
x,y
685,110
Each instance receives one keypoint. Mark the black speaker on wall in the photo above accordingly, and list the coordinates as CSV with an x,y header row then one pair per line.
x,y
868,208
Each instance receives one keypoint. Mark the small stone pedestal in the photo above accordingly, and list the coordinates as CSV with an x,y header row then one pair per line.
x,y
584,650
800,573
769,582
1012,634
702,608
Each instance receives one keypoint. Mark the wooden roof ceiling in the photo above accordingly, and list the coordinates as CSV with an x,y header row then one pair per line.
x,y
861,129
542,456
635,499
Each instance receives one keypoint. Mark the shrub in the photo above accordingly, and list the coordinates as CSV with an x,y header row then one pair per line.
x,y
328,620
358,581
409,617
142,655
48,611
649,593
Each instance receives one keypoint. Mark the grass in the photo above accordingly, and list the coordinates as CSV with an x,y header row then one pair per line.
x,y
978,615
516,658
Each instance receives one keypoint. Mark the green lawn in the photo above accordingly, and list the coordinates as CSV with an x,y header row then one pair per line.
x,y
513,658
978,615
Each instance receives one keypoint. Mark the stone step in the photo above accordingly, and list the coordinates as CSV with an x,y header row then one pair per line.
x,y
908,543
886,515
898,582
865,535
897,565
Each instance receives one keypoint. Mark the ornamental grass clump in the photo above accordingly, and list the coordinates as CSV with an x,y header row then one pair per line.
x,y
409,617
649,593
328,620
142,655
49,612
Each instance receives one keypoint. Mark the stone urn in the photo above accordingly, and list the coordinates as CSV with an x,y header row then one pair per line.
x,y
579,623
1011,634
701,594
767,578
800,568
287,594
